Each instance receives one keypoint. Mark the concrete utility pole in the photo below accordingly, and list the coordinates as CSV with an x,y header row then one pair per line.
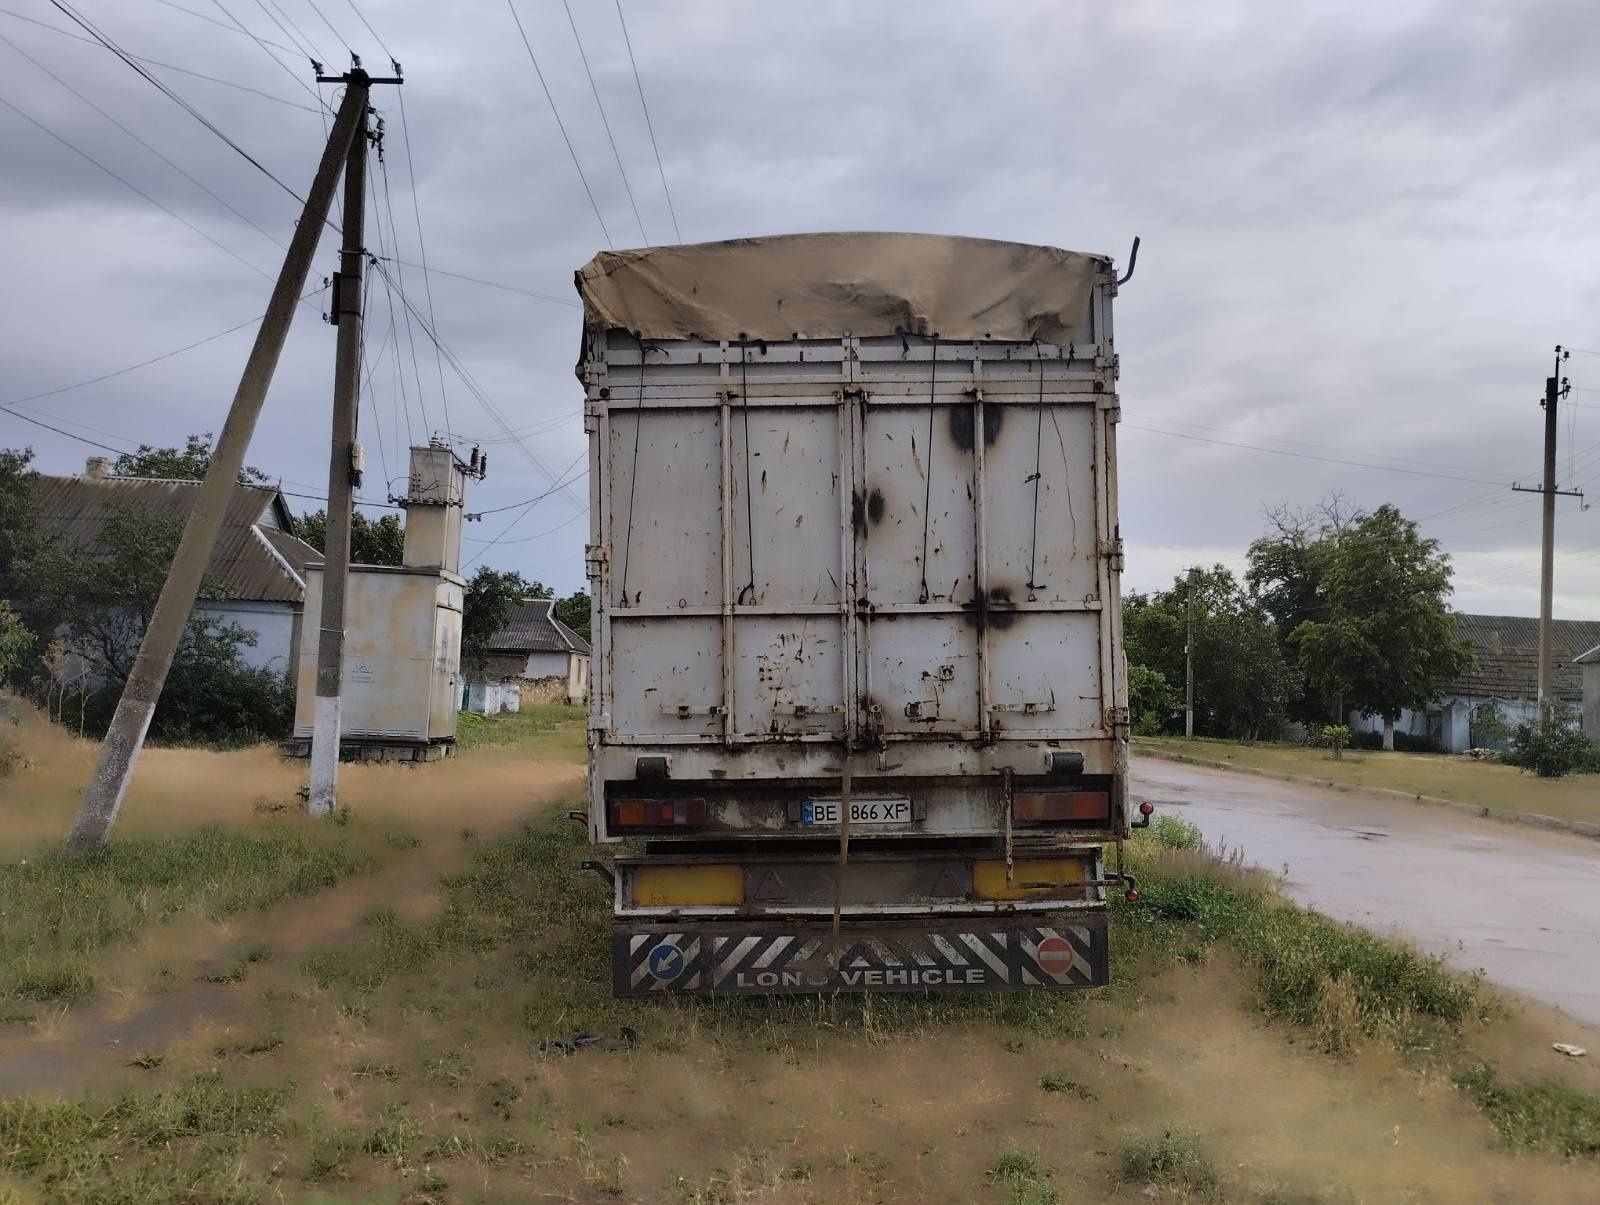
x,y
342,470
102,798
1554,389
1188,658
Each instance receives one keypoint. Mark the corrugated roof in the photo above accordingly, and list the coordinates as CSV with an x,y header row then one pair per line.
x,y
1507,649
533,628
251,562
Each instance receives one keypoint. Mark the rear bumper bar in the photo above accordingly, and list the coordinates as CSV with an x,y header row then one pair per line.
x,y
778,957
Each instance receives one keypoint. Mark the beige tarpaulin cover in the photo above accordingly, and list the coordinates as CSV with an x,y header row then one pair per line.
x,y
821,285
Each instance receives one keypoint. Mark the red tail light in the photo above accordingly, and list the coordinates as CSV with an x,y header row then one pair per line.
x,y
1035,807
656,813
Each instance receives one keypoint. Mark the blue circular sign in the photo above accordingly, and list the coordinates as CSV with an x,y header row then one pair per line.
x,y
666,962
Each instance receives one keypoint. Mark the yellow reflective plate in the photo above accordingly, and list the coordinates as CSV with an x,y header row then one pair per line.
x,y
687,886
1031,878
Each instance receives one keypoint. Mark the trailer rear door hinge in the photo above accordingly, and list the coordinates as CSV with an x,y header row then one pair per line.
x,y
1118,719
595,558
1112,551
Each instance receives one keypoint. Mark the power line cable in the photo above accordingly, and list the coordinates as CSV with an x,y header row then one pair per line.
x,y
362,17
539,497
605,121
227,83
37,422
158,154
538,535
648,124
178,100
1310,456
492,284
303,44
28,117
394,238
534,59
314,93
473,387
422,245
527,509
166,355
404,400
1316,447
219,24
338,37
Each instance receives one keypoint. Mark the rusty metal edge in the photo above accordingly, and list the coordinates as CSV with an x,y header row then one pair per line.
x,y
1583,828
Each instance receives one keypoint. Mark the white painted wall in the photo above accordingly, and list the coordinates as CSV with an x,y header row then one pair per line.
x,y
1591,701
273,624
546,665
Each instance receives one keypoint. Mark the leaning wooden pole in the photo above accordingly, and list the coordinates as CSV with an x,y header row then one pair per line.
x,y
102,798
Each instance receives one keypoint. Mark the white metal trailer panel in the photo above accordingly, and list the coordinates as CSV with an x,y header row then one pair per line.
x,y
900,548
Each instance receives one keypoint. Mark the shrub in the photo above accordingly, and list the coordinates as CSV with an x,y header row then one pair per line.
x,y
1171,1159
1554,748
1335,737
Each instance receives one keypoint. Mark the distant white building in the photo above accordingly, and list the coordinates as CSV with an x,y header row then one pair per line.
x,y
1589,666
256,576
1506,648
533,650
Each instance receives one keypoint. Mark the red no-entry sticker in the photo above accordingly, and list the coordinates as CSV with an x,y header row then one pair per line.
x,y
1055,956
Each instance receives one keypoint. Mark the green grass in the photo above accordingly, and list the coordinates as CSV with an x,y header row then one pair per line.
x,y
124,1149
1543,1114
1024,1175
1171,1159
539,729
59,912
1440,776
1338,981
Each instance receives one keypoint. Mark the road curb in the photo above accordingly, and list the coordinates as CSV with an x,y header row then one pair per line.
x,y
1584,828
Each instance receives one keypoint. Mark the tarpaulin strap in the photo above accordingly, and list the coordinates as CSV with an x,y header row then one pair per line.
x,y
844,854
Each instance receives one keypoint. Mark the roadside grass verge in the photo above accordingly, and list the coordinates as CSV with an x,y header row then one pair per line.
x,y
539,730
57,913
1543,1114
1338,982
1441,776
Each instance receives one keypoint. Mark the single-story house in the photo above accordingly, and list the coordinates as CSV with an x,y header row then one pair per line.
x,y
1589,667
533,654
256,576
1506,677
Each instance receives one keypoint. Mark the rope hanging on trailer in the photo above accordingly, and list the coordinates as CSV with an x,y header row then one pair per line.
x,y
1038,462
927,493
633,476
749,501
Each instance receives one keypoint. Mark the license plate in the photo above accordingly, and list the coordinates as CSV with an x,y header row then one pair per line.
x,y
862,811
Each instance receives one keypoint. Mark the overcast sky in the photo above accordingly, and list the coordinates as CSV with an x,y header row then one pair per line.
x,y
1365,228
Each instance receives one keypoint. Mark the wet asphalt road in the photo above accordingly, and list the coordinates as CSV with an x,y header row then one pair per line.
x,y
1523,904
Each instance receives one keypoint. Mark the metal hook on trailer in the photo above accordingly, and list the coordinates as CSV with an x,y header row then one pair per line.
x,y
1133,259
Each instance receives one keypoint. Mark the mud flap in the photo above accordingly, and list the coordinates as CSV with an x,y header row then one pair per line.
x,y
741,958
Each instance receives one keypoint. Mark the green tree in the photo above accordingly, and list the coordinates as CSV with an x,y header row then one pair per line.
x,y
491,596
1242,684
1553,746
15,641
1285,571
1386,638
379,541
1151,699
573,610
99,597
188,463
19,520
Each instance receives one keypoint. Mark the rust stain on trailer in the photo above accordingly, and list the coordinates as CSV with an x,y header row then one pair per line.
x,y
963,425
